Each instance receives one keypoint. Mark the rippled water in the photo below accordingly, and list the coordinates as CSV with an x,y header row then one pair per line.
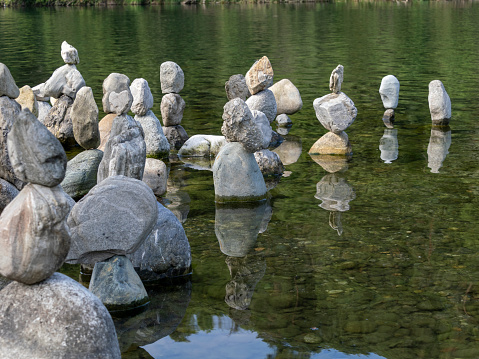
x,y
393,276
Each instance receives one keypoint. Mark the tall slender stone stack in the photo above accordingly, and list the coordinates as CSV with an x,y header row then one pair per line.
x,y
389,91
172,105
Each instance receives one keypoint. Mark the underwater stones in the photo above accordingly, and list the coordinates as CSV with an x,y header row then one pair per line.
x,y
81,173
388,118
142,97
259,76
287,96
60,318
155,175
388,145
115,82
202,146
284,121
336,79
120,102
389,91
172,107
176,136
27,99
438,147
36,155
157,144
34,236
166,252
125,150
104,126
7,193
65,80
236,87
8,87
265,102
59,122
332,144
69,54
269,163
335,112
117,285
439,103
236,175
115,217
84,117
172,77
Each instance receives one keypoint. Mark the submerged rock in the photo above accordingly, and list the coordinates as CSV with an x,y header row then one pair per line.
x,y
8,87
388,118
287,96
84,115
157,144
290,150
172,77
259,76
389,91
439,103
284,121
236,87
336,112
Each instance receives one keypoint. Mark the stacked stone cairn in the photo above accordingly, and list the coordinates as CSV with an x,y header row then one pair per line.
x,y
172,81
59,316
389,91
288,100
336,112
439,104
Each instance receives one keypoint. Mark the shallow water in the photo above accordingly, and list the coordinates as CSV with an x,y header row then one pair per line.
x,y
394,275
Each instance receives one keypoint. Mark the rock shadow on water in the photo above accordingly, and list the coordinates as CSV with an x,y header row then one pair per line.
x,y
438,147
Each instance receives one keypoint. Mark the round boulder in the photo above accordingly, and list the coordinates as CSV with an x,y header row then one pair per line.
x,y
265,102
287,96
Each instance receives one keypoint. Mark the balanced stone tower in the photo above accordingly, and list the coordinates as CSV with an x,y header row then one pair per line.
x,y
389,91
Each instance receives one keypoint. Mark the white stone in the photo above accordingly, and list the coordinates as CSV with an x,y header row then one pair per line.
x,y
172,77
69,54
142,97
336,112
439,103
389,91
287,96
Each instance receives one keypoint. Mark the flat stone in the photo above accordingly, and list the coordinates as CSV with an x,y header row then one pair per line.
x,y
69,54
120,102
156,175
172,107
287,96
202,146
115,217
176,136
157,144
34,236
236,87
389,91
125,150
265,102
60,318
284,121
332,144
439,103
236,175
8,87
39,92
104,126
59,122
81,173
260,76
142,97
263,125
27,99
336,112
336,79
36,155
115,82
172,77
43,110
7,193
84,116
166,252
269,163
65,80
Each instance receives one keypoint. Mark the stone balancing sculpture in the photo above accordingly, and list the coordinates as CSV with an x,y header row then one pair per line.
x,y
389,91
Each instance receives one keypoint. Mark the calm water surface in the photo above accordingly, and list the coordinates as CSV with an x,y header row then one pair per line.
x,y
377,261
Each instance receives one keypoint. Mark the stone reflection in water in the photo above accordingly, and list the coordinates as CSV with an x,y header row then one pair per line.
x,y
290,150
332,163
388,145
336,193
179,200
438,147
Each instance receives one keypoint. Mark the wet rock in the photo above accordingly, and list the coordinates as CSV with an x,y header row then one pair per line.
x,y
117,285
27,99
287,96
120,102
8,87
438,147
34,236
388,145
125,150
265,102
236,87
69,54
65,80
388,118
115,217
202,146
389,91
259,76
104,126
142,97
335,193
74,324
59,121
81,173
336,112
439,103
43,110
7,193
156,175
84,115
176,136
284,121
336,79
332,144
36,155
172,107
269,163
115,82
172,77
290,150
157,144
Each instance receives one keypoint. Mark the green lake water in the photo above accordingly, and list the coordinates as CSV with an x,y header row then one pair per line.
x,y
392,270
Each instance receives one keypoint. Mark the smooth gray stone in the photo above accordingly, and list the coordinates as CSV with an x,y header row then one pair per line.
x,y
43,110
8,87
142,97
287,96
439,103
284,121
269,163
438,147
157,144
263,125
265,102
9,110
36,155
125,150
172,107
336,79
335,193
84,115
34,236
259,76
176,136
237,176
115,217
7,193
120,102
236,87
115,82
156,175
81,173
239,126
65,80
69,54
389,91
39,92
336,112
59,121
117,285
290,150
202,146
166,252
60,319
172,77
388,145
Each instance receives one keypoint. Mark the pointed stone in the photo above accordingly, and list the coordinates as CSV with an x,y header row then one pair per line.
x,y
84,115
439,103
336,79
8,87
69,54
260,76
